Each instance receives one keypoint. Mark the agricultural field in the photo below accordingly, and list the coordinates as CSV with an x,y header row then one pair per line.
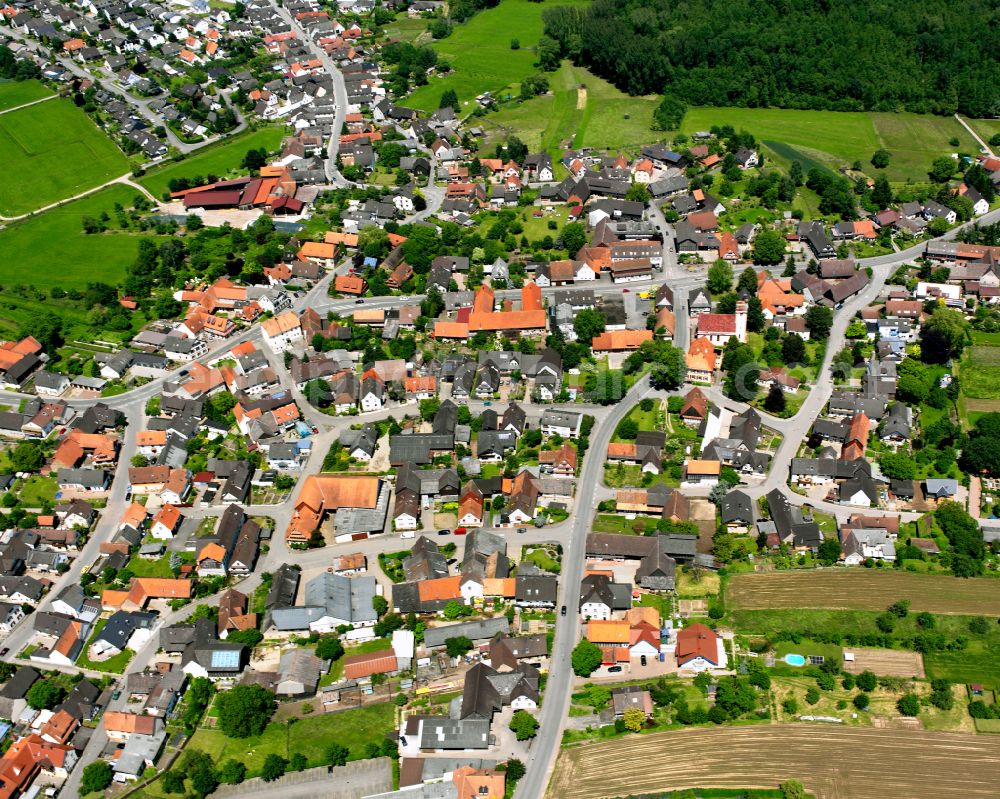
x,y
833,762
888,662
15,93
216,159
481,57
835,139
57,152
837,589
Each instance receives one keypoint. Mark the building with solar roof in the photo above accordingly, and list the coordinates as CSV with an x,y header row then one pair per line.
x,y
207,656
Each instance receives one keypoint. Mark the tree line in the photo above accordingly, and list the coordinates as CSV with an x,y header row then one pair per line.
x,y
817,54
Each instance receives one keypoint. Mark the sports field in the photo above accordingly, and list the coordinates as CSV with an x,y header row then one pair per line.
x,y
216,159
52,151
480,54
51,249
832,762
861,589
839,139
14,93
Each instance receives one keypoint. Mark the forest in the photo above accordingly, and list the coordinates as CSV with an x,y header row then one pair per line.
x,y
869,55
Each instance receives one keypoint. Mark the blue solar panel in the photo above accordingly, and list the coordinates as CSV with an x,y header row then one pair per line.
x,y
226,660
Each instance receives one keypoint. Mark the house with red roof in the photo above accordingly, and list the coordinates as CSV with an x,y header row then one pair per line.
x,y
699,648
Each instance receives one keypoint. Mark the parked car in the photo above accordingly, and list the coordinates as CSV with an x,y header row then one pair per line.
x,y
614,669
460,531
444,532
359,301
4,651
563,610
522,530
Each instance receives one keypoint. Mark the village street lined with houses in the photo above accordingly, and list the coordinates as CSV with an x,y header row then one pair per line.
x,y
376,445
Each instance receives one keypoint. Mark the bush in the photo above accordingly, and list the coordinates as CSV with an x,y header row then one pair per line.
x,y
274,767
862,701
812,696
790,706
979,625
908,705
866,681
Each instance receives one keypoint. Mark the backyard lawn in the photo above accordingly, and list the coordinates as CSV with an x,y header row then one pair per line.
x,y
142,567
37,489
216,159
312,736
55,151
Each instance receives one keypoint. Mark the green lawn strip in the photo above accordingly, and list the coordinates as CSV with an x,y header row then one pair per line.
x,y
14,93
311,736
51,249
216,159
56,151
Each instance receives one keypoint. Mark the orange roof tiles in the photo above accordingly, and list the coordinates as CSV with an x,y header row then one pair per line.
x,y
621,340
700,467
316,249
347,239
608,632
134,515
116,721
701,355
350,284
451,330
440,588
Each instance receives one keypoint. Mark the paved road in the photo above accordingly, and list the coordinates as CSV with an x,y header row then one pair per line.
x,y
339,96
555,708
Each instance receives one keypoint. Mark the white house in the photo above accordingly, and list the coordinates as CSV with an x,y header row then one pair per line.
x,y
282,332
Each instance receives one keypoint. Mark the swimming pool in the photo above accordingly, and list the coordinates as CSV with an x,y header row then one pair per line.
x,y
795,660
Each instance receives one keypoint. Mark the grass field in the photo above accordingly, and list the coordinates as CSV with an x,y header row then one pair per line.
x,y
832,762
836,139
980,373
51,249
986,128
837,589
217,159
15,93
55,151
480,54
595,117
312,736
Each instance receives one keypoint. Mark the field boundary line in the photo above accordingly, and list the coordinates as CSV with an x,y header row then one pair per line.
x,y
27,105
